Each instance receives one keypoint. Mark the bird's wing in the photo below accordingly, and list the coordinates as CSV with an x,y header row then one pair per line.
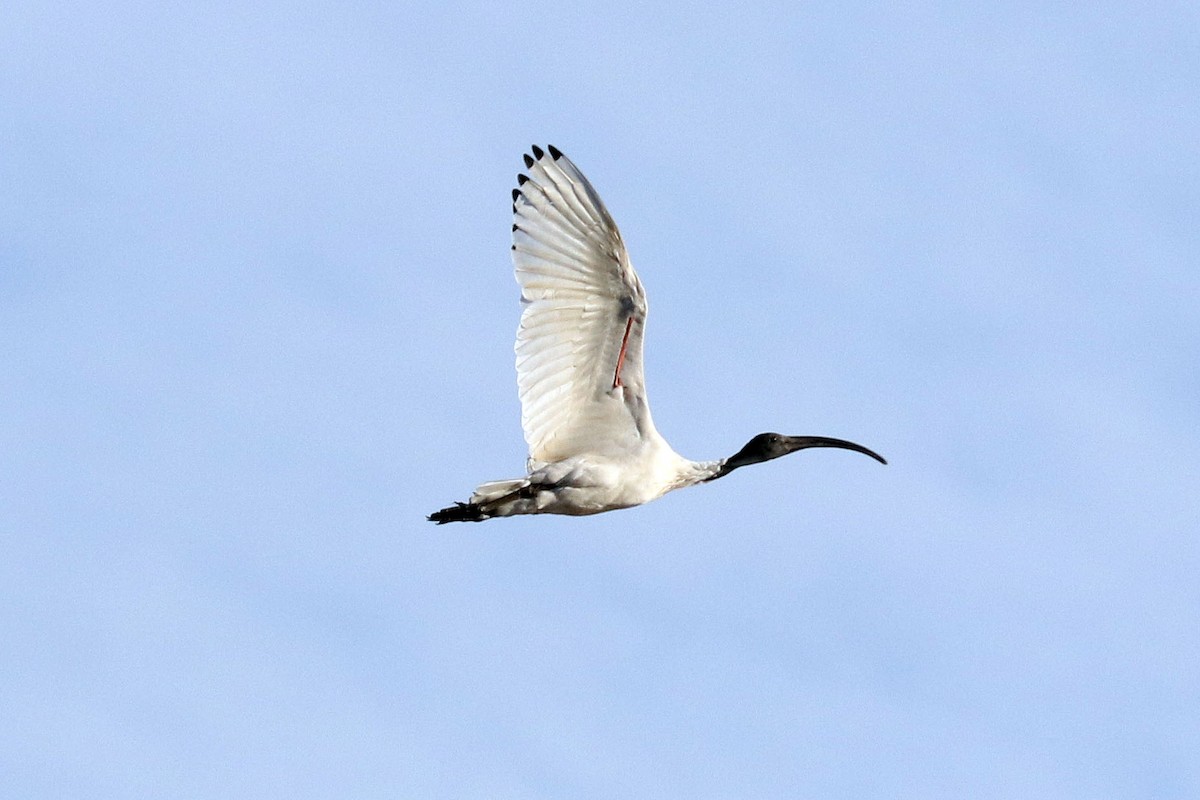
x,y
579,344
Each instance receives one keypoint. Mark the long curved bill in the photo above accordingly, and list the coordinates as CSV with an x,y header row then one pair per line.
x,y
794,443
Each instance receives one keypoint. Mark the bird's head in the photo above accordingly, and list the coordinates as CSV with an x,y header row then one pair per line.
x,y
767,446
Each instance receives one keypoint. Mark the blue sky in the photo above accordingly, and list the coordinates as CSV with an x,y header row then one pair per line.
x,y
256,320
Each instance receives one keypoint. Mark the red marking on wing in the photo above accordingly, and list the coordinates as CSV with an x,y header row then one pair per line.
x,y
621,357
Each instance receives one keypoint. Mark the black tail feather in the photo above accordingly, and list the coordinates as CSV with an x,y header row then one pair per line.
x,y
459,512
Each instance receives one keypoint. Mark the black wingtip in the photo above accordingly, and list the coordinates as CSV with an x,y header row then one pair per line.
x,y
528,160
537,152
516,194
522,179
555,153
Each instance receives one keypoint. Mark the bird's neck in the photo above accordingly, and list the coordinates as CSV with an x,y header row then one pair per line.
x,y
693,472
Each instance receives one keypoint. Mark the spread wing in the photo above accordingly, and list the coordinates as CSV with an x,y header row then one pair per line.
x,y
579,344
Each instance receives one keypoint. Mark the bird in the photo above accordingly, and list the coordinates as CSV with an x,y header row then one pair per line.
x,y
592,443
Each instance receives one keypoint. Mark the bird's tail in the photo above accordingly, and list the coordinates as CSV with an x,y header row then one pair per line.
x,y
459,512
493,499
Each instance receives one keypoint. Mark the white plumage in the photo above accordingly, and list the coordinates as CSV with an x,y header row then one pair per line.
x,y
592,443
579,293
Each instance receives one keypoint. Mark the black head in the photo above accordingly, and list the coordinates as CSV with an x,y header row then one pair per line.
x,y
767,446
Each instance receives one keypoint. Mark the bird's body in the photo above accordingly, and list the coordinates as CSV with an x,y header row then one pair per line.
x,y
593,446
585,484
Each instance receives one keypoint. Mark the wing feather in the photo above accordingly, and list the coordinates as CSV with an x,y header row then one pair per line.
x,y
579,291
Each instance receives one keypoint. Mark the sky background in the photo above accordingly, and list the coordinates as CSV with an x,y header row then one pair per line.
x,y
257,317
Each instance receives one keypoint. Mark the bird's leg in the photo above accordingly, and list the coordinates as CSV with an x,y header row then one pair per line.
x,y
621,355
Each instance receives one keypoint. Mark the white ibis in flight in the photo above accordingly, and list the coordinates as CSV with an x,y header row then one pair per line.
x,y
592,444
